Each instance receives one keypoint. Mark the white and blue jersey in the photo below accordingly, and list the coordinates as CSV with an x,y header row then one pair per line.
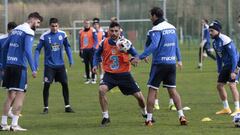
x,y
53,44
162,43
206,36
226,52
18,47
3,38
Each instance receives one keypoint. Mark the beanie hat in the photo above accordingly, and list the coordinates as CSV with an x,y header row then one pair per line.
x,y
216,25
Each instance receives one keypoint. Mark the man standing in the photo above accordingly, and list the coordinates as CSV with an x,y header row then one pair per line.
x,y
116,66
227,58
205,43
87,44
162,42
19,51
53,42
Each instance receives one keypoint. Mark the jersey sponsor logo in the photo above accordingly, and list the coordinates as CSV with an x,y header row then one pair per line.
x,y
55,47
168,58
14,45
166,32
169,44
16,32
12,58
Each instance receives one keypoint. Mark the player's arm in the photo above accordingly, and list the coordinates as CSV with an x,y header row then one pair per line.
x,y
154,38
178,54
231,51
80,51
219,63
95,39
4,49
68,50
37,53
97,55
28,50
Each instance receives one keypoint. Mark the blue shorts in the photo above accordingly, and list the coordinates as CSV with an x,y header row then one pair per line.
x,y
124,81
165,73
15,78
58,74
225,75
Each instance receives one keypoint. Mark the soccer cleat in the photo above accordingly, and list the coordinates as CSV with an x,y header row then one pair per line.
x,y
17,128
69,110
145,116
87,81
45,111
172,107
235,112
4,128
183,120
93,81
156,107
105,122
148,123
224,111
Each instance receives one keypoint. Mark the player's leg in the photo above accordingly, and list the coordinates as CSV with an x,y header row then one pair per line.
x,y
93,75
150,104
200,57
141,102
222,80
103,89
6,106
235,96
156,102
86,63
16,108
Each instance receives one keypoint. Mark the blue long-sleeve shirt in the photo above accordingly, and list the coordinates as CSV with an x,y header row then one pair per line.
x,y
206,36
97,58
3,38
226,52
53,44
18,47
162,43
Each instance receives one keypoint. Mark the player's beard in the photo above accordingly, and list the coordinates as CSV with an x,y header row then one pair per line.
x,y
33,28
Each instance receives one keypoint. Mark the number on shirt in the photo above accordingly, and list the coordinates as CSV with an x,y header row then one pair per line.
x,y
115,64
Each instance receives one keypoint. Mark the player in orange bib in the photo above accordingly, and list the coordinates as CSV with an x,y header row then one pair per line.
x,y
116,65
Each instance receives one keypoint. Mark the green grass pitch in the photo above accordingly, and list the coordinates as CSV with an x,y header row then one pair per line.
x,y
197,90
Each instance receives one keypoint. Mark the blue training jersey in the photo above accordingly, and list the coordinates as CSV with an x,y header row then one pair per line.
x,y
53,44
206,35
18,47
3,38
226,52
162,43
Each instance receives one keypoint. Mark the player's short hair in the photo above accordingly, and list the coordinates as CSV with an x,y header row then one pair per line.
x,y
157,11
35,15
11,25
53,20
205,20
96,20
114,24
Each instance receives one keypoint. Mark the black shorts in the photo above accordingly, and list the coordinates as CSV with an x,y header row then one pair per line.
x,y
57,74
225,75
124,81
165,73
15,78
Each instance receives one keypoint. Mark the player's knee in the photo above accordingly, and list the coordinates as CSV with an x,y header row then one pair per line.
x,y
103,89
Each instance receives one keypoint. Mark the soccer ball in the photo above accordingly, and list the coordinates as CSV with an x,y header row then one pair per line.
x,y
124,44
236,120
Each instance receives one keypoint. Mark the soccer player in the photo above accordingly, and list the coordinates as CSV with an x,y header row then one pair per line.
x,y
18,51
54,41
3,38
100,36
205,43
163,44
116,66
227,58
87,44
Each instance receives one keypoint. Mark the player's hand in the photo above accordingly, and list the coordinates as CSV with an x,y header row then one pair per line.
x,y
134,61
180,65
94,69
146,60
233,75
34,74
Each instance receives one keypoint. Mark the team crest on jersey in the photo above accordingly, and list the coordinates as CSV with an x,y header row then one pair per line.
x,y
49,40
60,37
45,79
